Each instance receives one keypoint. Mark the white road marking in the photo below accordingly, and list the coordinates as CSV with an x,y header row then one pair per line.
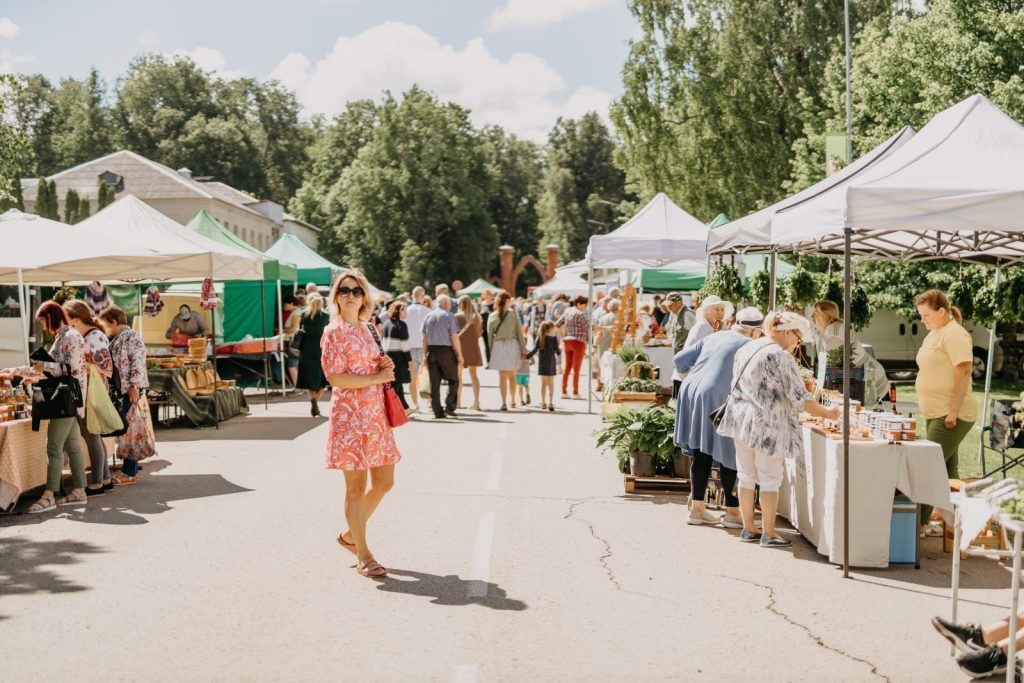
x,y
502,431
481,570
494,477
464,673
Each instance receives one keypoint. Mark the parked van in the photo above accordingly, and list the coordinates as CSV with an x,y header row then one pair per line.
x,y
895,341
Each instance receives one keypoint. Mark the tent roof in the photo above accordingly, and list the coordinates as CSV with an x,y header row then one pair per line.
x,y
477,287
47,251
131,219
312,266
208,226
660,232
563,283
954,191
690,274
754,230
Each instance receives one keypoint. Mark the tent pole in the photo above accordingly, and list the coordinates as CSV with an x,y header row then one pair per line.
x,y
213,329
847,233
590,340
988,378
280,326
771,281
263,329
141,308
24,315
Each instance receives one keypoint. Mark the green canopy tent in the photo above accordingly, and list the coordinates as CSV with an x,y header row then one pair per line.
x,y
242,300
689,274
312,266
478,287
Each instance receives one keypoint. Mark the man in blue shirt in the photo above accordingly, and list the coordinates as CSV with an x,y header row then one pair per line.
x,y
443,355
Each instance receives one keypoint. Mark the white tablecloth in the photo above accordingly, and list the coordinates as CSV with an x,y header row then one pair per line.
x,y
662,356
811,496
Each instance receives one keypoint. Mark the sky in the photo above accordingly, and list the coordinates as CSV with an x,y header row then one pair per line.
x,y
517,63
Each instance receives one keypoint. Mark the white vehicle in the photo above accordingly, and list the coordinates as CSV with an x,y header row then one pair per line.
x,y
895,342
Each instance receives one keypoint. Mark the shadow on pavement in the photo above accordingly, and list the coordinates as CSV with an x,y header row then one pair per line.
x,y
448,590
245,428
22,561
127,504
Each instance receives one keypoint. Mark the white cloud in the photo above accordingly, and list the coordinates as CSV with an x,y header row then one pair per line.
x,y
211,59
11,63
523,94
147,39
8,29
533,13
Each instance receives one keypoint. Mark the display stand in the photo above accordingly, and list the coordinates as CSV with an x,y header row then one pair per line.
x,y
625,317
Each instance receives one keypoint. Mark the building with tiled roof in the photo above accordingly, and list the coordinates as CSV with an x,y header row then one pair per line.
x,y
177,195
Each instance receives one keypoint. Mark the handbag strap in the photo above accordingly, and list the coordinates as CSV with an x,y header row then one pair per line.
x,y
736,379
376,338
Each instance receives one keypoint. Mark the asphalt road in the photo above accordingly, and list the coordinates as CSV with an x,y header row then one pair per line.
x,y
514,555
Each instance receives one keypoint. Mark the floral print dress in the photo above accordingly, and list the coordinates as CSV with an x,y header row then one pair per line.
x,y
359,436
129,357
69,349
767,401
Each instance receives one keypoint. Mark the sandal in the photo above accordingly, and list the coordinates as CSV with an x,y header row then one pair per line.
x,y
371,568
351,547
44,504
123,480
72,500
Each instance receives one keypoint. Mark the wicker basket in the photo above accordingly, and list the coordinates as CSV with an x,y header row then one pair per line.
x,y
640,368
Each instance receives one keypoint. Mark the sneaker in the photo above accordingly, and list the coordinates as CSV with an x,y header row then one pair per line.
x,y
966,637
986,661
702,517
748,537
775,542
731,521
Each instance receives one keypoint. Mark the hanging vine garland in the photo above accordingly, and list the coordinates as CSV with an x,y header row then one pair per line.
x,y
725,282
760,284
801,288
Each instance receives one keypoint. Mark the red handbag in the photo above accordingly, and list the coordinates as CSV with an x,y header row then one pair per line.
x,y
392,404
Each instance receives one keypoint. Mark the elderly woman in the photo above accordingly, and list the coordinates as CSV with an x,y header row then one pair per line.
x,y
359,438
943,383
761,416
574,340
129,357
711,316
97,354
708,369
828,336
68,352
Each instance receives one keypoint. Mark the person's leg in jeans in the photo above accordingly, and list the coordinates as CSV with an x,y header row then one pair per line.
x,y
397,386
99,469
434,370
130,468
949,440
700,472
56,436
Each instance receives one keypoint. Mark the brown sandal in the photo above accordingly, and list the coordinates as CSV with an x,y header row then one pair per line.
x,y
371,568
351,547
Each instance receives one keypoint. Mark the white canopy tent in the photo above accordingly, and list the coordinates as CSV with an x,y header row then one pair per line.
x,y
563,283
954,191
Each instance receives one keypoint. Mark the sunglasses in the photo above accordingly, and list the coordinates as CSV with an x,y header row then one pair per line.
x,y
345,290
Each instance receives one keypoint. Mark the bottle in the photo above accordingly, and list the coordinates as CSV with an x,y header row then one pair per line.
x,y
892,398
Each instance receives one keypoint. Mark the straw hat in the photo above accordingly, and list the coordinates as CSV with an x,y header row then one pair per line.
x,y
715,300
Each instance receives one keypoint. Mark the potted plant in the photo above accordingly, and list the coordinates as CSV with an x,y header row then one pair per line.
x,y
640,438
808,376
633,389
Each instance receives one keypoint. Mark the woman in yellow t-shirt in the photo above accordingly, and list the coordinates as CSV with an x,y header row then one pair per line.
x,y
943,382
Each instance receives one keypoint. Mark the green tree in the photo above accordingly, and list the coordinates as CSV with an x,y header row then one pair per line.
x,y
46,200
71,207
716,93
582,189
27,106
420,178
84,120
104,197
515,171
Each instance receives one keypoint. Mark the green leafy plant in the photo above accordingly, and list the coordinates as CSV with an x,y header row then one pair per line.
x,y
860,309
634,384
725,282
760,284
649,430
628,354
801,289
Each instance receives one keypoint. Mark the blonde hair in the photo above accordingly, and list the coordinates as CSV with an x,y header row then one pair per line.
x,y
314,304
829,309
935,300
365,308
467,309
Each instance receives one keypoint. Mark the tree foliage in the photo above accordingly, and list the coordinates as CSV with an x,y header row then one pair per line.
x,y
583,188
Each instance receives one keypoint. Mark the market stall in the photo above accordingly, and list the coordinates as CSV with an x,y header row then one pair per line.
x,y
204,410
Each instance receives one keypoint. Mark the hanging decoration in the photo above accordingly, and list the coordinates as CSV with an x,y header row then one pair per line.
x,y
153,304
97,297
208,300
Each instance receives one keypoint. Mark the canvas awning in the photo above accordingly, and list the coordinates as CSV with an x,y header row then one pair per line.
x,y
273,269
659,233
312,267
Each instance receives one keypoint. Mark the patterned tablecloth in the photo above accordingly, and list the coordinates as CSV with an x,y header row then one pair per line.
x,y
23,459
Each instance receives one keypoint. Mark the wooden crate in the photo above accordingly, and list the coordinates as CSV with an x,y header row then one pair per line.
x,y
622,396
675,485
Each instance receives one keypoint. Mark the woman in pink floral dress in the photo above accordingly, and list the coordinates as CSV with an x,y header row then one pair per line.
x,y
359,438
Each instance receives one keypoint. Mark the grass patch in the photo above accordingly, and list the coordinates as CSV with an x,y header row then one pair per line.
x,y
970,463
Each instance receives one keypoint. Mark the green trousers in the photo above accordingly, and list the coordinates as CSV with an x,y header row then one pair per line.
x,y
949,440
59,432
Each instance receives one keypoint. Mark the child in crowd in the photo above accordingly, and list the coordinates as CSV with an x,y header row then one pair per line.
x,y
547,347
523,381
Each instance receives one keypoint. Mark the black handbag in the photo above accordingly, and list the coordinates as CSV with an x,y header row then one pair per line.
x,y
56,397
295,345
121,402
718,414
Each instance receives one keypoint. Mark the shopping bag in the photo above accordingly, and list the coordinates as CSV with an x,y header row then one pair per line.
x,y
139,442
101,415
393,407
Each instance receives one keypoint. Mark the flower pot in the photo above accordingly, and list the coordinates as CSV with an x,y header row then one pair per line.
x,y
681,464
641,464
809,385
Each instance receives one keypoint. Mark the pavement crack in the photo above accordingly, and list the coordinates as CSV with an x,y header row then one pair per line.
x,y
607,546
771,607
